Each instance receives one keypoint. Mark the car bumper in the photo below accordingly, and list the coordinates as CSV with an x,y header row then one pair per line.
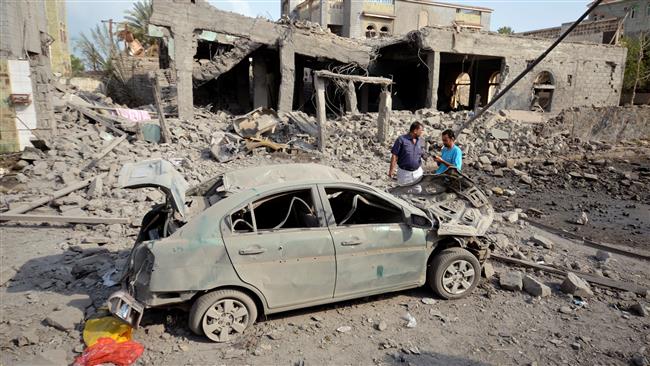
x,y
124,306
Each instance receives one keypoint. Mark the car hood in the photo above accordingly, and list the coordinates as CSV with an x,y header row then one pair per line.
x,y
157,173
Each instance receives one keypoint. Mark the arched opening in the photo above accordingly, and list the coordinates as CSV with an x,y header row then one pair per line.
x,y
384,31
493,85
371,31
543,88
461,91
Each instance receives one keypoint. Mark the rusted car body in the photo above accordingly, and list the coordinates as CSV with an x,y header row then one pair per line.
x,y
280,237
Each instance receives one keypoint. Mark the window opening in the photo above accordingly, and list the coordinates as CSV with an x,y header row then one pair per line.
x,y
493,85
371,31
351,207
461,90
543,88
287,210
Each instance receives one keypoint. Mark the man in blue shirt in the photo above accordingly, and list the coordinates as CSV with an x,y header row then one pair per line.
x,y
452,155
407,155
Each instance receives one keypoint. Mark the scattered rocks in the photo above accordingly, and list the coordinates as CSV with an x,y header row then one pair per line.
x,y
542,240
344,329
411,322
511,217
583,219
526,179
566,310
381,326
27,337
488,270
639,309
535,287
428,301
511,281
65,319
576,286
603,256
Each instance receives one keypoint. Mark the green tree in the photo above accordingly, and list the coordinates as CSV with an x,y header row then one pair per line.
x,y
137,20
95,48
637,65
77,65
505,30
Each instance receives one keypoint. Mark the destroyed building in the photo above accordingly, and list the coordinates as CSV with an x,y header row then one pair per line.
x,y
236,63
34,44
609,21
382,18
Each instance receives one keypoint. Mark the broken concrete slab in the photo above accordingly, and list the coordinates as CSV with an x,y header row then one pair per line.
x,y
499,134
576,286
603,256
511,280
65,319
256,123
96,187
542,240
488,270
535,287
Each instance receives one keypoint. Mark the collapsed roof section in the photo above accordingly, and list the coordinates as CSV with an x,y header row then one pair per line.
x,y
252,37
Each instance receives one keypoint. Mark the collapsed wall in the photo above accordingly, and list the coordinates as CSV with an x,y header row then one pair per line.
x,y
187,21
573,74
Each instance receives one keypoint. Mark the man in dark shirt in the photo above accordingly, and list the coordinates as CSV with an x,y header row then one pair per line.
x,y
407,155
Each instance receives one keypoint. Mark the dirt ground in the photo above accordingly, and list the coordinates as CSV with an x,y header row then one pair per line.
x,y
491,327
617,215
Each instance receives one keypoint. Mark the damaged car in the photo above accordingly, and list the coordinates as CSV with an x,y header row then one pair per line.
x,y
267,239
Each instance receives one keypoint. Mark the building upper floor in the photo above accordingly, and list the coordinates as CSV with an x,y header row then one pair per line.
x,y
635,14
377,18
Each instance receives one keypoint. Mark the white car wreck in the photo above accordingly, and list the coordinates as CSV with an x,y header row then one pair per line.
x,y
268,239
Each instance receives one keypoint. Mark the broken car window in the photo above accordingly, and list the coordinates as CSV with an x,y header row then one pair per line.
x,y
287,210
242,221
351,207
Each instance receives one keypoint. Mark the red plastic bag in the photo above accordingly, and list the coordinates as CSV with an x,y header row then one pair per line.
x,y
107,350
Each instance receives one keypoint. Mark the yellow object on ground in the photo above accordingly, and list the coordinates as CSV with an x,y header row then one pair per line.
x,y
109,327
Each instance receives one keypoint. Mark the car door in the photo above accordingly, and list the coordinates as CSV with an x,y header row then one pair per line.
x,y
279,243
375,249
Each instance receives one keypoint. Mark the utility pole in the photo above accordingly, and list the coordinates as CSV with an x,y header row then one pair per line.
x,y
110,32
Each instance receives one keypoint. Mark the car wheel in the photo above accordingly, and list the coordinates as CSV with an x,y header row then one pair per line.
x,y
222,315
454,273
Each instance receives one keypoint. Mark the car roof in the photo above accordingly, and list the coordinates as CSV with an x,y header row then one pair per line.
x,y
268,175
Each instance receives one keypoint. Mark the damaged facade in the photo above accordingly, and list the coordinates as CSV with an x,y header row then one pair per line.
x,y
29,52
383,18
240,63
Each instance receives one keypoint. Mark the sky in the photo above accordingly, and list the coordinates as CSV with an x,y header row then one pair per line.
x,y
521,15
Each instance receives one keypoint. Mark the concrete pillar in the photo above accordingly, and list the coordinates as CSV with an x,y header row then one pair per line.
x,y
288,72
321,117
324,13
433,64
383,120
352,18
351,98
260,83
184,50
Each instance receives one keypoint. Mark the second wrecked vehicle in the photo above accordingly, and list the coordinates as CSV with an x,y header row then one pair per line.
x,y
268,239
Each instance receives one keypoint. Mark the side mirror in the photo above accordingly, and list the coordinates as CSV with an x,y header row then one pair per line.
x,y
420,222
